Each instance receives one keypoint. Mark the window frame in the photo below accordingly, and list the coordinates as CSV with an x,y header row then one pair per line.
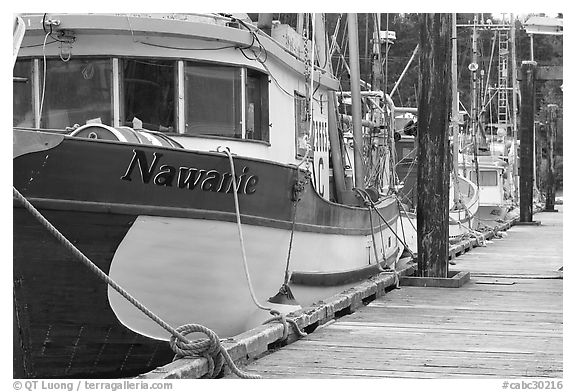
x,y
117,94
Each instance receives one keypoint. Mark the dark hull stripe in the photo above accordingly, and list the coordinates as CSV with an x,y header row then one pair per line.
x,y
341,277
83,171
191,213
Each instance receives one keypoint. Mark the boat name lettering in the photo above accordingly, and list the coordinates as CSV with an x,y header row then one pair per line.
x,y
188,177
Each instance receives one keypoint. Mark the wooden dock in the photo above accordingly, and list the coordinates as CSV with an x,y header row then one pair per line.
x,y
505,323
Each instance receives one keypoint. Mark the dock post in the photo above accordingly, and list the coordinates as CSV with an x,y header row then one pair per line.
x,y
528,77
433,158
551,129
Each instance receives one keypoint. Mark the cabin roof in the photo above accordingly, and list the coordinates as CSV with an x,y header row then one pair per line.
x,y
208,27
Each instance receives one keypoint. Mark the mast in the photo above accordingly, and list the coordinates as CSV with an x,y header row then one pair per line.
x,y
300,23
455,127
514,107
474,67
474,109
333,137
356,100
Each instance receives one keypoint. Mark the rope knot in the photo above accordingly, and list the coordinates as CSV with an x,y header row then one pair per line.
x,y
208,348
299,186
277,316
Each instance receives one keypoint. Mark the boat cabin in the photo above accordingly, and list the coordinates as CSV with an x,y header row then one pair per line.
x,y
203,81
490,181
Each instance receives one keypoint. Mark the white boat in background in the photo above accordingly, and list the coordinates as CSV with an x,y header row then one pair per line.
x,y
494,182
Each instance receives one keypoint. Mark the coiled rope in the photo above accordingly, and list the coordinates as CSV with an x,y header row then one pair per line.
x,y
210,348
277,316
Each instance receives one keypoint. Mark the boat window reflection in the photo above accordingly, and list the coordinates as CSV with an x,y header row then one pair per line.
x,y
22,114
213,100
487,178
76,91
257,106
303,141
149,92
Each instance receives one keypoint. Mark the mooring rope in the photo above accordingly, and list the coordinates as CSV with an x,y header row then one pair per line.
x,y
212,348
368,200
374,239
276,314
297,189
371,206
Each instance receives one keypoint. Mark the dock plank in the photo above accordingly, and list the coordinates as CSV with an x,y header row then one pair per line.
x,y
507,322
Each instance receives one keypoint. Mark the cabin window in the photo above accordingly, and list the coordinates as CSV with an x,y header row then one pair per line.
x,y
76,91
218,100
22,109
149,93
303,140
257,106
213,96
487,178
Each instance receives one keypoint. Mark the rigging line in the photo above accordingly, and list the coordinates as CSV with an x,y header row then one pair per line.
x,y
405,157
489,68
386,55
187,49
327,57
131,30
374,241
483,110
401,222
37,45
405,212
295,203
43,79
334,37
368,200
410,168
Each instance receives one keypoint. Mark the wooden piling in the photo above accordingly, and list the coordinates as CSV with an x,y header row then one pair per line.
x,y
433,146
551,129
528,77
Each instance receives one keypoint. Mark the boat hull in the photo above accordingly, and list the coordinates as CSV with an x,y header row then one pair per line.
x,y
64,325
160,224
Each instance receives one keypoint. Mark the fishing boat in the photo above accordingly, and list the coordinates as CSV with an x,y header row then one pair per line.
x,y
463,194
134,134
494,183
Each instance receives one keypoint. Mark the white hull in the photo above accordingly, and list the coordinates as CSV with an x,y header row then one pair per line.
x,y
191,271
